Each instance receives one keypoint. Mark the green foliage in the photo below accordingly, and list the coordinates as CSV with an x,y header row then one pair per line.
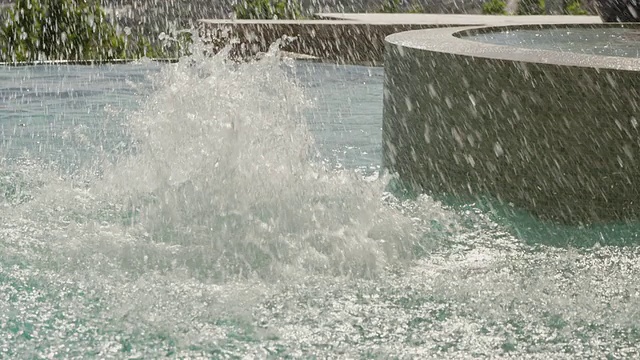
x,y
177,44
184,42
494,7
575,8
531,7
390,6
395,6
34,30
268,9
416,9
142,47
58,30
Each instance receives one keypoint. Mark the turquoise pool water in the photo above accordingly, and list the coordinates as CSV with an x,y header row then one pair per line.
x,y
219,210
624,42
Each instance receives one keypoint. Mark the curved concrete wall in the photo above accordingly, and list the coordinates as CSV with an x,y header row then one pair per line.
x,y
349,38
552,133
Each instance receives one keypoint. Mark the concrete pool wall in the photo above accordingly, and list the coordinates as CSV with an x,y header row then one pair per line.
x,y
552,133
350,38
338,41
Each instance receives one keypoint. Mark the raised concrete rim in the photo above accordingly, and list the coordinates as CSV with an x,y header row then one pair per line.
x,y
280,22
85,62
459,19
450,40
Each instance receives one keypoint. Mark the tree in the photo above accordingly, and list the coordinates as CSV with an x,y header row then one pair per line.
x,y
494,7
267,9
59,30
19,40
531,7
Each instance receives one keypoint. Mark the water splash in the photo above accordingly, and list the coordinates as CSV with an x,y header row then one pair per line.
x,y
212,197
211,228
221,180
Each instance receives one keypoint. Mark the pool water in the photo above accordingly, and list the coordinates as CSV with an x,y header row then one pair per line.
x,y
622,42
210,209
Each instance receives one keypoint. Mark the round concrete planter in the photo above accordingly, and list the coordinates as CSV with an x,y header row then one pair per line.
x,y
553,133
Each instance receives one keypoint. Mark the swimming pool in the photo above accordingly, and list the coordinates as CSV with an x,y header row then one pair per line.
x,y
220,210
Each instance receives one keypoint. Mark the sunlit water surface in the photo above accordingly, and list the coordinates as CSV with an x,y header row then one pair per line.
x,y
215,210
623,42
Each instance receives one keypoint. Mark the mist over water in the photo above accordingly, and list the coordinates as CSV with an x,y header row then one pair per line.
x,y
208,209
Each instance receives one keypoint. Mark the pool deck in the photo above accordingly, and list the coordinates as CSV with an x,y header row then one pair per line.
x,y
353,38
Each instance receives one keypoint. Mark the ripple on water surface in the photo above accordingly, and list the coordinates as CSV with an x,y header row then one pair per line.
x,y
222,210
608,41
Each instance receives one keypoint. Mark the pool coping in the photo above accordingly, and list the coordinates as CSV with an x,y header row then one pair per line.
x,y
86,62
458,19
450,40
